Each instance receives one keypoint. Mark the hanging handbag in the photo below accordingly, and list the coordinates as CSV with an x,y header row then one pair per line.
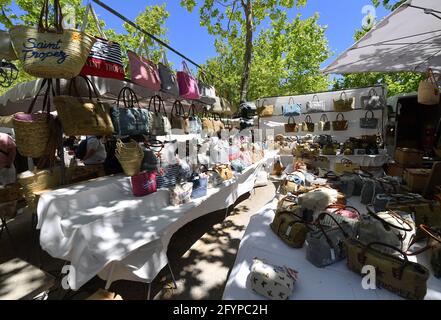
x,y
161,124
83,116
200,185
105,58
340,124
373,101
428,91
271,281
265,111
207,92
308,125
290,228
194,122
48,54
369,123
344,103
6,50
291,127
224,171
315,105
188,86
424,212
291,109
143,183
181,193
324,246
324,123
405,278
217,106
169,82
394,228
178,120
144,72
32,130
130,119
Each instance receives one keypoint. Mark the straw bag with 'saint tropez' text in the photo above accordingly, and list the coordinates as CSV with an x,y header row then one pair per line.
x,y
48,54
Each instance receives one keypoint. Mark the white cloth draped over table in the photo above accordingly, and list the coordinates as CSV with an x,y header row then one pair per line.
x,y
334,282
101,228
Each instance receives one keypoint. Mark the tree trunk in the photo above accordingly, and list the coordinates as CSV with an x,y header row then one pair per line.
x,y
248,49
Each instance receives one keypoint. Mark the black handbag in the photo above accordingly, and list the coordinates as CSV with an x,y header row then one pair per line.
x,y
369,123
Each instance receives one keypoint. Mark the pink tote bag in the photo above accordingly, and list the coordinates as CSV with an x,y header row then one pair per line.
x,y
144,72
188,86
143,183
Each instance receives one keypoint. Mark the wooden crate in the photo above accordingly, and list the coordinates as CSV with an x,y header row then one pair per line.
x,y
395,170
416,179
409,158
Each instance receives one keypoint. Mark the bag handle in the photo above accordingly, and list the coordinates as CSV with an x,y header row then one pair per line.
x,y
385,223
192,111
366,114
293,119
43,24
185,68
89,9
431,77
340,207
291,99
324,118
373,92
178,107
343,94
315,96
370,246
90,87
434,234
338,117
46,100
128,97
308,119
346,161
322,229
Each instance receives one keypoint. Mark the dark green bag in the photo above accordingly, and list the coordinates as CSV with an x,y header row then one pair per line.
x,y
291,228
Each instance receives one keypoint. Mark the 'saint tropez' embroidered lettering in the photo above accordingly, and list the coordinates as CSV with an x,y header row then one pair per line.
x,y
32,49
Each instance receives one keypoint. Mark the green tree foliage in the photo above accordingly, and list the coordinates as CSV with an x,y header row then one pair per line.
x,y
238,19
286,60
151,19
399,82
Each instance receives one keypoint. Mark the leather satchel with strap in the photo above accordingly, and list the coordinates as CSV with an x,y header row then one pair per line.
x,y
399,275
291,228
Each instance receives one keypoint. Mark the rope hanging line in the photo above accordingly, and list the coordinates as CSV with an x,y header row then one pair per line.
x,y
162,43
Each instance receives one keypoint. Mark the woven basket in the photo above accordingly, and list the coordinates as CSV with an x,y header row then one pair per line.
x,y
31,137
130,156
65,59
428,91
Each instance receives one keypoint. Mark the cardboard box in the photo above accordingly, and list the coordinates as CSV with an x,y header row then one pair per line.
x,y
416,179
409,158
395,170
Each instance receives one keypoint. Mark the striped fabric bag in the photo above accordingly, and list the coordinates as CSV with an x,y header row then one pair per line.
x,y
104,60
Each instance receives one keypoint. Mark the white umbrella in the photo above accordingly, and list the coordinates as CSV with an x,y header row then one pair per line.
x,y
409,39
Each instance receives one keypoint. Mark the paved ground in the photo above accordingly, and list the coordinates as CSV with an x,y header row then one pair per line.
x,y
201,254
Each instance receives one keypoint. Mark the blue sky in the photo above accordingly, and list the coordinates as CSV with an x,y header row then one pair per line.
x,y
342,18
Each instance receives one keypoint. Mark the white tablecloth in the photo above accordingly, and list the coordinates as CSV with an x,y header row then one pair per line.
x,y
335,282
362,160
101,228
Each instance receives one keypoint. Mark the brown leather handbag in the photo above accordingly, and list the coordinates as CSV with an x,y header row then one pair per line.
x,y
177,116
340,124
308,125
291,127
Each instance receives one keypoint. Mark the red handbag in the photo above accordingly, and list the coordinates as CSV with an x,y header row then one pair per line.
x,y
143,183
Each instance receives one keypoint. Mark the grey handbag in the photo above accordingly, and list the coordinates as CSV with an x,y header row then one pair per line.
x,y
374,186
393,228
207,93
160,123
369,123
169,83
373,101
324,246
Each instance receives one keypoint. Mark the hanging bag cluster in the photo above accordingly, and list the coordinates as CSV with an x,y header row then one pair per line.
x,y
160,123
51,52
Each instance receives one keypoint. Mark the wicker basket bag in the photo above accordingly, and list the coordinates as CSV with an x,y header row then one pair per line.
x,y
130,156
51,52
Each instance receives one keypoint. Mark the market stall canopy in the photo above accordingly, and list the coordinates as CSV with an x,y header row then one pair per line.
x,y
409,39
